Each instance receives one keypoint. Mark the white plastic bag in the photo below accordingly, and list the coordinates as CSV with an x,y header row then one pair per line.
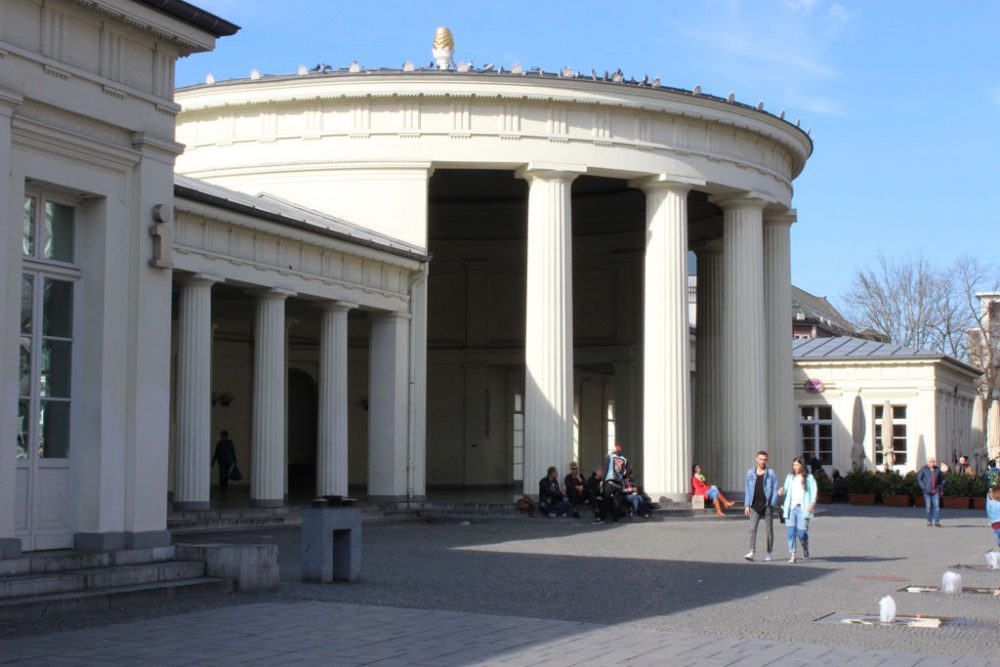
x,y
887,609
993,559
951,582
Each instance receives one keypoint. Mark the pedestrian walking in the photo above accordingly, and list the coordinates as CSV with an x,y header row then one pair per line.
x,y
760,496
931,481
799,492
225,456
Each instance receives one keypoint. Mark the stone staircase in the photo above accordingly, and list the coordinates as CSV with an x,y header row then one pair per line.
x,y
58,582
253,518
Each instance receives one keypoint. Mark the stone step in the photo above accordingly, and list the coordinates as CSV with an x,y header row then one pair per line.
x,y
36,606
58,561
247,519
94,578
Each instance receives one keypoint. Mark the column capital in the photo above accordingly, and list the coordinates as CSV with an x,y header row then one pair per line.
x,y
271,293
780,216
550,171
752,200
336,306
668,182
708,247
199,279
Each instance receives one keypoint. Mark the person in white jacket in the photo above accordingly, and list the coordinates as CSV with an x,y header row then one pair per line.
x,y
799,492
993,510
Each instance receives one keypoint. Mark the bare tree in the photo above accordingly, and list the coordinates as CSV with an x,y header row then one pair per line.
x,y
980,284
911,303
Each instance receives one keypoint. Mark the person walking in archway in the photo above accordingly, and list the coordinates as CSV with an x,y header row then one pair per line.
x,y
225,457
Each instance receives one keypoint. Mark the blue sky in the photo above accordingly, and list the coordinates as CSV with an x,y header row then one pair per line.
x,y
903,97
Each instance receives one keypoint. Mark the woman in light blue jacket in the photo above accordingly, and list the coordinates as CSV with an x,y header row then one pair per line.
x,y
799,492
993,510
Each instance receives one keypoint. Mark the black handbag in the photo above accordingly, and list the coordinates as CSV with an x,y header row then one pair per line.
x,y
235,474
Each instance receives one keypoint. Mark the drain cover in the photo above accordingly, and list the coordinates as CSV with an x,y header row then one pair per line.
x,y
930,622
937,589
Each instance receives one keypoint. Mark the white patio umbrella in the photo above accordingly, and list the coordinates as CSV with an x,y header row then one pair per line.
x,y
994,429
858,427
888,459
977,434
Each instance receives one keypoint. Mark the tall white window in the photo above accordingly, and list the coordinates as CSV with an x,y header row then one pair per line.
x,y
45,372
518,434
898,434
816,428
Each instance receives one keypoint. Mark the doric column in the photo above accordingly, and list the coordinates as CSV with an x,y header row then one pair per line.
x,y
267,455
388,407
666,368
193,451
548,346
708,406
331,434
744,397
778,334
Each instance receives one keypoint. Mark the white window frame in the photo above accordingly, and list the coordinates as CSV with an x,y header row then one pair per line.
x,y
810,445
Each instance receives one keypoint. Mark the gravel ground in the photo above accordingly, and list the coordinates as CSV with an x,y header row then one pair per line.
x,y
672,574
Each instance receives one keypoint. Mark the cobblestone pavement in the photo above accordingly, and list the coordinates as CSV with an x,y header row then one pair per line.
x,y
561,591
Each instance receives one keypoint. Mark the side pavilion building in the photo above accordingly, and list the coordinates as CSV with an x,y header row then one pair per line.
x,y
534,308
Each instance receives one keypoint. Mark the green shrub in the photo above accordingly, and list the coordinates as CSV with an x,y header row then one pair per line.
x,y
910,485
825,485
892,484
958,485
863,481
980,487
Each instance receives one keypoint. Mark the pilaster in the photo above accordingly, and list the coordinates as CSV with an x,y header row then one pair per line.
x,y
267,454
548,348
331,455
192,479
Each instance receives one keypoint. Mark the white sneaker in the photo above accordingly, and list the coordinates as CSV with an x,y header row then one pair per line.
x,y
791,559
768,556
749,555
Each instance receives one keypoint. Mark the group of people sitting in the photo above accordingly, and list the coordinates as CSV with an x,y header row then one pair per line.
x,y
611,492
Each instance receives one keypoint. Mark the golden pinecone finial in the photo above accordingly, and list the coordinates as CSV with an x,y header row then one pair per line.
x,y
443,39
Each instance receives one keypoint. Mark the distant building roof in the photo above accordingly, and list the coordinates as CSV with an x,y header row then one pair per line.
x,y
275,209
810,309
845,348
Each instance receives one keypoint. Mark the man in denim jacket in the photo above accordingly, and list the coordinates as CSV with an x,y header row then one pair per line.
x,y
931,481
760,496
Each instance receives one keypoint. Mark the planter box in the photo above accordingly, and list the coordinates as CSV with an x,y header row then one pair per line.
x,y
860,498
918,500
979,503
953,503
827,498
897,501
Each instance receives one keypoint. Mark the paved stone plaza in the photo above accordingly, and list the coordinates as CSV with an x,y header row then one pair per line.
x,y
562,592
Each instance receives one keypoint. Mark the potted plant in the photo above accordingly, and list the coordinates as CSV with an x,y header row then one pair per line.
x,y
911,487
892,489
862,485
824,493
980,487
957,492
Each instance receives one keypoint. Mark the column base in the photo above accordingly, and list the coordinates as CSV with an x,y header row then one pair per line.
x,y
387,499
267,502
99,541
668,499
10,547
191,505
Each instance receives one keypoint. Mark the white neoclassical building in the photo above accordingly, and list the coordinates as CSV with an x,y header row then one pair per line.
x,y
388,279
86,171
520,294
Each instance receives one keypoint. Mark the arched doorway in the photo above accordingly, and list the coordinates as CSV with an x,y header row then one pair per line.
x,y
303,406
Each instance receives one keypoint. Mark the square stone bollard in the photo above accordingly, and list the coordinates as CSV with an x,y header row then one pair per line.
x,y
331,544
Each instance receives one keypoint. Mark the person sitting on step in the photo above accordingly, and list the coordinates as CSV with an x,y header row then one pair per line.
x,y
699,487
551,499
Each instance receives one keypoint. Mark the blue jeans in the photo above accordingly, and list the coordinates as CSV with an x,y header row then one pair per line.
x,y
797,526
561,507
932,505
996,534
